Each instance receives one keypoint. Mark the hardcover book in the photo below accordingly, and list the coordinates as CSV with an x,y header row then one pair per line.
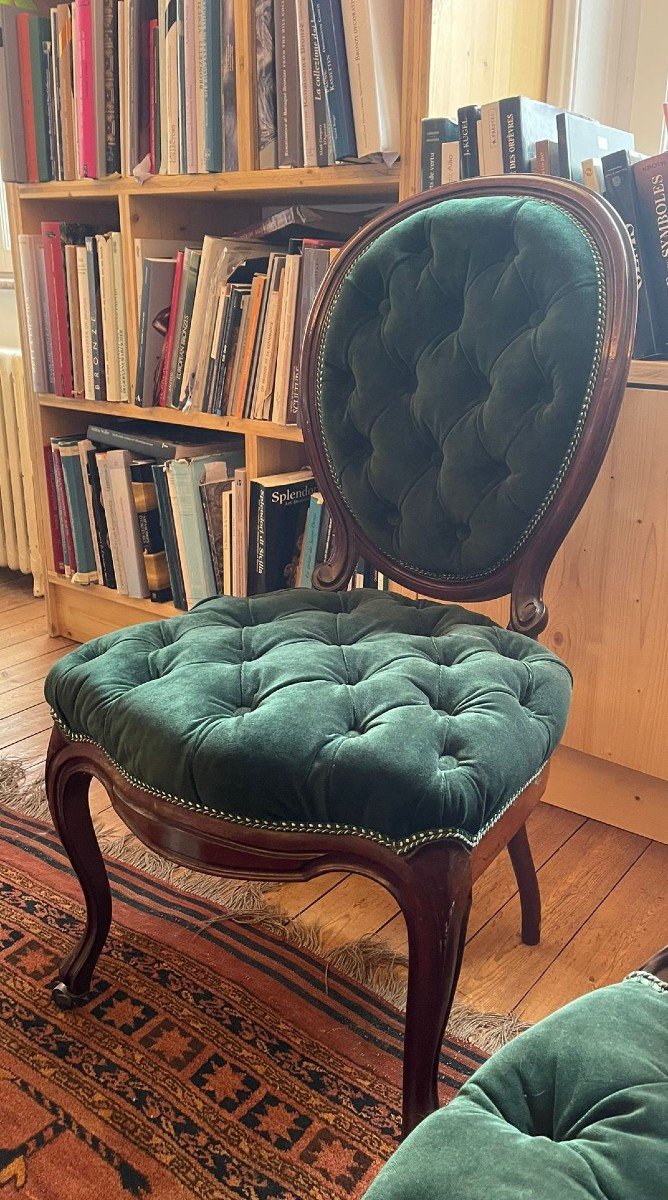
x,y
468,119
148,440
651,180
523,123
169,536
581,138
547,157
267,132
278,507
436,132
156,299
331,40
12,135
150,531
229,87
288,102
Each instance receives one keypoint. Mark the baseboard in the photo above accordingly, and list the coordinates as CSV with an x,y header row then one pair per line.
x,y
610,793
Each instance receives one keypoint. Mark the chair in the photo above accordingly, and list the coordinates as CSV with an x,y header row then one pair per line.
x,y
463,369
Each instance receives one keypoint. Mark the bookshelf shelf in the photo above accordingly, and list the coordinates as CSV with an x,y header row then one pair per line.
x,y
365,179
170,416
648,373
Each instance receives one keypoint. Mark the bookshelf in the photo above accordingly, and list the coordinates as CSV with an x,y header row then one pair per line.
x,y
189,206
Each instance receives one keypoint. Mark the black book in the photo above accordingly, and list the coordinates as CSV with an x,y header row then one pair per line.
x,y
278,508
112,132
152,440
101,527
228,346
145,499
288,102
435,132
651,180
620,190
167,526
523,123
468,119
580,138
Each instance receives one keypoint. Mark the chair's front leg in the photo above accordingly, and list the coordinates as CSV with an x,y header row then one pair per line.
x,y
436,909
67,785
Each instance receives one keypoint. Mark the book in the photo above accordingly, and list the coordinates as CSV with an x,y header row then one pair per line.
x,y
170,337
191,266
113,528
650,178
286,335
331,41
108,576
277,514
306,84
108,309
247,348
118,464
63,56
267,130
547,157
184,477
524,122
13,162
74,318
288,96
148,440
112,138
85,96
83,446
150,531
96,328
450,164
229,86
85,322
153,323
579,138
211,491
69,557
228,348
54,517
592,175
55,129
54,236
27,95
85,571
308,560
268,345
468,119
490,142
213,131
169,536
323,141
40,33
239,533
436,132
314,267
120,319
309,220
35,317
373,32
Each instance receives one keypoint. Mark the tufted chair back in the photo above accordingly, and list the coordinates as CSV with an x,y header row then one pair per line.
x,y
463,368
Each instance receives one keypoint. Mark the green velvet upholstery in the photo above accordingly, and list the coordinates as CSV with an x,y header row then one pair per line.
x,y
364,709
453,376
574,1109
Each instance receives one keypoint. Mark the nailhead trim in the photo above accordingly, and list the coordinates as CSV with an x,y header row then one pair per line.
x,y
648,980
400,846
559,478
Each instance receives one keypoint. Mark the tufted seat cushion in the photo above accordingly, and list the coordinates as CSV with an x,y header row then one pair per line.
x,y
363,709
573,1109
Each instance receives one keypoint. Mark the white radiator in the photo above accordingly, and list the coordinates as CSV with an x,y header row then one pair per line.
x,y
19,546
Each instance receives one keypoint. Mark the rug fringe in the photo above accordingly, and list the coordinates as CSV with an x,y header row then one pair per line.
x,y
365,960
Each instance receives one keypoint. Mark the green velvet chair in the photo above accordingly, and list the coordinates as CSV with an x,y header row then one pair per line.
x,y
576,1108
462,373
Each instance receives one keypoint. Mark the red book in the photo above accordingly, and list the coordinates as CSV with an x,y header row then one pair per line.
x,y
152,81
27,95
54,519
171,330
64,511
56,290
84,75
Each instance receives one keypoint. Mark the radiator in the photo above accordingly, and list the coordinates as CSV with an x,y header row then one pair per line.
x,y
19,545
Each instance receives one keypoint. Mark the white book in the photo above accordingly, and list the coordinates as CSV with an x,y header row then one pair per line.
x,y
592,175
450,166
303,10
120,484
200,102
190,54
107,304
228,543
266,369
172,91
490,145
184,477
112,526
86,332
116,252
286,334
35,317
374,48
162,82
84,446
44,307
73,311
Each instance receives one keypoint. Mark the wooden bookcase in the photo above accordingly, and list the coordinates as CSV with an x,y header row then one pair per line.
x,y
507,54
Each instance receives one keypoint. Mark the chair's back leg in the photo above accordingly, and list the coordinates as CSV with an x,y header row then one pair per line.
x,y
436,910
67,784
527,883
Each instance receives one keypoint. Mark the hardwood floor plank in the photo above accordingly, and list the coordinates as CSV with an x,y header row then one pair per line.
x,y
23,724
31,649
628,927
295,898
24,612
498,970
20,633
29,671
356,908
21,699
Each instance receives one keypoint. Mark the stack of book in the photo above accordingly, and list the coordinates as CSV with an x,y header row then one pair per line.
x,y
75,311
145,86
170,520
522,135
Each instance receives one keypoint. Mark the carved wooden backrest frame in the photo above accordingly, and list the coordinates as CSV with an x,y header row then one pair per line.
x,y
523,576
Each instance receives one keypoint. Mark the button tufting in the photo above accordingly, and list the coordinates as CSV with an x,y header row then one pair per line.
x,y
463,532
353,733
239,712
446,762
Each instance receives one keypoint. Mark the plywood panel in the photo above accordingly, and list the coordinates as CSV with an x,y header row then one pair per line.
x,y
487,50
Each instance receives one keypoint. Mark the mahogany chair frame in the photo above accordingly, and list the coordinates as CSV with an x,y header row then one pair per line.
x,y
431,882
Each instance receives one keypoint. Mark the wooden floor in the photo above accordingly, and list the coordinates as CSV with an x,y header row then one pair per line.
x,y
605,901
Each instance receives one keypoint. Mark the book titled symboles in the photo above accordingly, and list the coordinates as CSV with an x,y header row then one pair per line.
x,y
651,178
278,508
620,188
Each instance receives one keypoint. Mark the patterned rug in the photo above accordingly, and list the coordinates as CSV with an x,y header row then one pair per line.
x,y
214,1060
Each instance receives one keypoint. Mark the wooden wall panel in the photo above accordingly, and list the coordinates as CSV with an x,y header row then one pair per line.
x,y
486,50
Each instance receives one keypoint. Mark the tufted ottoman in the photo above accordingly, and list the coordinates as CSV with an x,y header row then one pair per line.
x,y
574,1109
364,709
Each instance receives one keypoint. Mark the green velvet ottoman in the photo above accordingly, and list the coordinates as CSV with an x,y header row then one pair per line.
x,y
574,1109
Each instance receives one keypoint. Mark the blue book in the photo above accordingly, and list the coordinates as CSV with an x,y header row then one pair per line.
x,y
332,44
309,558
169,536
184,477
213,117
86,567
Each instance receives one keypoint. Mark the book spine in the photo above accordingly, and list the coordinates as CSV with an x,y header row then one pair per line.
x,y
288,107
100,518
34,316
181,85
83,448
266,84
120,317
323,147
73,310
229,87
171,331
172,99
310,543
192,540
650,179
39,36
153,101
510,118
54,96
66,93
92,270
52,114
27,96
331,40
239,533
303,22
150,532
118,463
491,150
12,132
57,291
84,556
68,541
40,262
192,277
85,98
111,87
169,537
211,495
190,57
213,132
621,192
115,543
84,315
432,139
109,340
54,516
200,72
257,532
469,124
